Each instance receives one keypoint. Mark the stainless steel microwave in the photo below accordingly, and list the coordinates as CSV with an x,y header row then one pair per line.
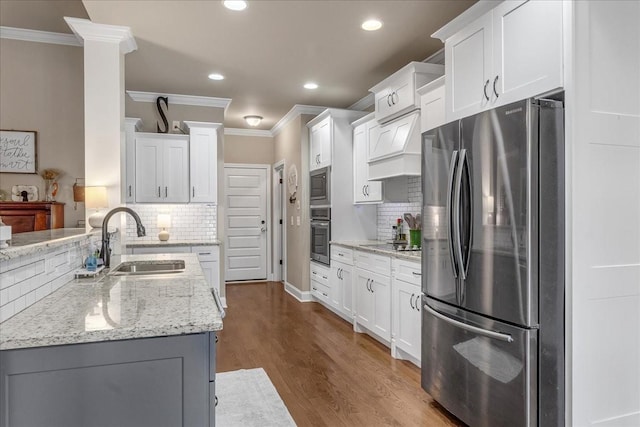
x,y
320,187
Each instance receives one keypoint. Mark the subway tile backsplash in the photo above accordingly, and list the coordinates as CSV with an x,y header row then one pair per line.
x,y
192,221
388,213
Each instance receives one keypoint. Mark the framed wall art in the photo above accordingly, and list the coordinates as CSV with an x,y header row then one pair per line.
x,y
18,151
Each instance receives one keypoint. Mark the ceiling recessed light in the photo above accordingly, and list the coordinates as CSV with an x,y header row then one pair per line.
x,y
253,120
310,85
371,25
216,76
235,4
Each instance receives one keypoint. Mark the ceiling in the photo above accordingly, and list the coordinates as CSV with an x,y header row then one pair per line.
x,y
266,52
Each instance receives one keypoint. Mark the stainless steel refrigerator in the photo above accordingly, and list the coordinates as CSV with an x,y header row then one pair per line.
x,y
493,265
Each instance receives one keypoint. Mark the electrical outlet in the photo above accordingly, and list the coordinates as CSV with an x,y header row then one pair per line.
x,y
176,125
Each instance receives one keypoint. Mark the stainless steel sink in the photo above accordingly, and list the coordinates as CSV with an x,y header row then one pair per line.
x,y
129,268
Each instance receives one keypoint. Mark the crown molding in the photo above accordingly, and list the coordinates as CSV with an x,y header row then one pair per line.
x,y
465,18
37,36
295,111
248,132
197,101
364,103
84,29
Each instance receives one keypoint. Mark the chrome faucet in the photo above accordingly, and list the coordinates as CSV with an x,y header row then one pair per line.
x,y
105,252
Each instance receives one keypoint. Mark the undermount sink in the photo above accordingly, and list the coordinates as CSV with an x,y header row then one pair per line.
x,y
129,268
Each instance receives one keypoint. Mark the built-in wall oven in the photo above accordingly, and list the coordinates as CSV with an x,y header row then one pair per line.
x,y
320,187
320,234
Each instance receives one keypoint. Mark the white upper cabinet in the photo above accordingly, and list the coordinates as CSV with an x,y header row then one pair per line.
x,y
131,126
509,53
203,162
364,191
432,105
162,168
320,145
396,95
527,49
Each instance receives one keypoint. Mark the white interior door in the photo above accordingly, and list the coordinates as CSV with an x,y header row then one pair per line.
x,y
246,223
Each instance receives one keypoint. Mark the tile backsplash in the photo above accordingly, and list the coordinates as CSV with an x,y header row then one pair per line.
x,y
388,213
192,221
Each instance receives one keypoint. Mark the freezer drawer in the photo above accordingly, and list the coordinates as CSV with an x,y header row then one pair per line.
x,y
481,370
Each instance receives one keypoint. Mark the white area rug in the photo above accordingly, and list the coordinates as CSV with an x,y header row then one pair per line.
x,y
247,398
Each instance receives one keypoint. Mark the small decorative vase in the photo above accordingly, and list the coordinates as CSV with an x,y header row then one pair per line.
x,y
50,190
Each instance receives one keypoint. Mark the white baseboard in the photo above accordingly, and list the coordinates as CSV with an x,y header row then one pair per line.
x,y
301,296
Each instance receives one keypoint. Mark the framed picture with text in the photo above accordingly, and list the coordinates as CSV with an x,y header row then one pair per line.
x,y
18,151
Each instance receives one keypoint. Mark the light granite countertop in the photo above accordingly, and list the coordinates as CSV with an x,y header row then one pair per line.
x,y
111,308
367,246
159,244
31,243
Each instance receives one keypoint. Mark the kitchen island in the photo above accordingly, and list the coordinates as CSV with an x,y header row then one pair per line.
x,y
115,350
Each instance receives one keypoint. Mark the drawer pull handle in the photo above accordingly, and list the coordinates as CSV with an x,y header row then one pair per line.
x,y
415,273
204,253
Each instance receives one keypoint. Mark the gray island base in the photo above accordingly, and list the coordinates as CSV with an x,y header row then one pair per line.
x,y
150,361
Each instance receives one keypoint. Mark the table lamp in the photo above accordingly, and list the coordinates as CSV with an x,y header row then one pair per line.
x,y
164,222
96,198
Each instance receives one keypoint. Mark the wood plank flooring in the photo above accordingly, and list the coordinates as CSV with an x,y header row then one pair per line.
x,y
326,374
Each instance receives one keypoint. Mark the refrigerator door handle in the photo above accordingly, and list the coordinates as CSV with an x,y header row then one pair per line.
x,y
464,160
491,334
456,218
450,231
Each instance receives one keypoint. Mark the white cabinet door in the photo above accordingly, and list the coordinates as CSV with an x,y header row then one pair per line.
x,y
432,106
364,298
527,49
398,98
162,169
381,290
176,171
407,324
129,189
148,170
203,165
320,145
341,280
364,191
468,63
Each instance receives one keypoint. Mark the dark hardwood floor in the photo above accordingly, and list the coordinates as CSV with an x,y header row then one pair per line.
x,y
326,374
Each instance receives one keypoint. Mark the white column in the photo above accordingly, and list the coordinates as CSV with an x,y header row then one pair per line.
x,y
104,50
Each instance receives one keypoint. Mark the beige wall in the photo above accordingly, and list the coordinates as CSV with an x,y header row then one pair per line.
x,y
41,89
291,145
148,113
248,149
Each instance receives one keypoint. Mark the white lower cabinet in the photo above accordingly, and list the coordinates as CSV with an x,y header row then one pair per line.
x,y
373,299
320,285
341,280
406,306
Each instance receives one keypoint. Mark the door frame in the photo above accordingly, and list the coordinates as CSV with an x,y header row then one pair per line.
x,y
267,168
279,244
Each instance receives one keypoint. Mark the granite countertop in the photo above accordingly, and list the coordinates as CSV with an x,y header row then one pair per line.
x,y
36,241
159,244
118,308
367,246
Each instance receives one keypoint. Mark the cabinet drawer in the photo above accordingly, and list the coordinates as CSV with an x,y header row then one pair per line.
x,y
408,271
320,274
206,253
342,254
320,291
372,262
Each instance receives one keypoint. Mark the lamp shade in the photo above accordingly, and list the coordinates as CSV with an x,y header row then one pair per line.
x,y
95,197
164,220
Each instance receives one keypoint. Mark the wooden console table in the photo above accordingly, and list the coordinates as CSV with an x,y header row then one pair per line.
x,y
32,216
